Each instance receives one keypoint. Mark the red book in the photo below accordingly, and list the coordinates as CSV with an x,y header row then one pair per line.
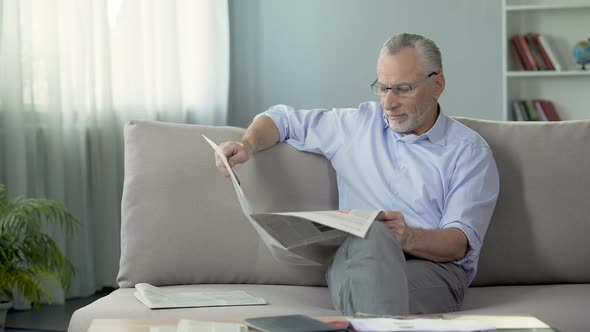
x,y
535,51
539,107
527,52
517,54
544,55
549,110
521,53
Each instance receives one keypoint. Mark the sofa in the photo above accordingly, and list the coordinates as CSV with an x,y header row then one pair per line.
x,y
182,226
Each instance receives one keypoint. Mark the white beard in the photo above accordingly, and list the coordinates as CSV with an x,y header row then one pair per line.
x,y
412,122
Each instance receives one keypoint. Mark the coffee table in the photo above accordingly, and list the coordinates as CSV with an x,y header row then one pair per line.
x,y
143,325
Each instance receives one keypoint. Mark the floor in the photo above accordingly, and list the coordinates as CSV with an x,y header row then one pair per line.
x,y
54,317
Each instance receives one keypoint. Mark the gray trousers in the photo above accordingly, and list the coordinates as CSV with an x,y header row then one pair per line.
x,y
374,276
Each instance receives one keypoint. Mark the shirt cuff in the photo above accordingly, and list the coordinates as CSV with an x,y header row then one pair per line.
x,y
472,238
469,261
279,119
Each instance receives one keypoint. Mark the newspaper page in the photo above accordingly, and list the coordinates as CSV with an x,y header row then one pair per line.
x,y
158,298
277,250
302,238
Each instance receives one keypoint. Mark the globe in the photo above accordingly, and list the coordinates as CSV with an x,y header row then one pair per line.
x,y
582,53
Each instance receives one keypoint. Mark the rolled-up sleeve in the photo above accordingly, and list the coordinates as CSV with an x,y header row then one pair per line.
x,y
470,201
318,130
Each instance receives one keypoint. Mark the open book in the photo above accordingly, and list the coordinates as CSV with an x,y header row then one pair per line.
x,y
302,238
160,298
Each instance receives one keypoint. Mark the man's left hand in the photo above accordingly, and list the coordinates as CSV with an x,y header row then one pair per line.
x,y
396,222
437,245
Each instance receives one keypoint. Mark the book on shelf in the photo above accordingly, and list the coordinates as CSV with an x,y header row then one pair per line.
x,y
533,110
524,110
527,54
540,64
548,64
550,52
532,52
518,54
549,110
540,111
518,114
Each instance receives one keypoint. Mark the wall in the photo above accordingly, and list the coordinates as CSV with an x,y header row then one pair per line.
x,y
322,53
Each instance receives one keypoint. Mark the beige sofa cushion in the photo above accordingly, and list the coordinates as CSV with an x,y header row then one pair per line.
x,y
181,221
540,227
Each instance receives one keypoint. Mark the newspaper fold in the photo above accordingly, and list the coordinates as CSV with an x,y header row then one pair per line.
x,y
301,238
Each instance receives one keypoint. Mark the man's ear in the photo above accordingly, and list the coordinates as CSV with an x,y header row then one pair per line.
x,y
439,85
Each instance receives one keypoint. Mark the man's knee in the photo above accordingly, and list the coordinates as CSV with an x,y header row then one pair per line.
x,y
379,251
369,275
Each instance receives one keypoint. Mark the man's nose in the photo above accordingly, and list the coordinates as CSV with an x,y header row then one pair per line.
x,y
390,100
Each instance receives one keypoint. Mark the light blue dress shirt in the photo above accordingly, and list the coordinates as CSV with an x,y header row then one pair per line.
x,y
444,178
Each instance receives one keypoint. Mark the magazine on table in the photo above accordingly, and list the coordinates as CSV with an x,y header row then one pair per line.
x,y
301,238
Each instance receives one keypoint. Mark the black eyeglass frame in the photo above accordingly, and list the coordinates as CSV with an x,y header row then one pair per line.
x,y
377,88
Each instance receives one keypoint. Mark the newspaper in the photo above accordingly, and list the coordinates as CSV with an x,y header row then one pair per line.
x,y
301,238
159,298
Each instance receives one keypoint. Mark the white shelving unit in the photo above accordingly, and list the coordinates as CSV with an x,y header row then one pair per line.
x,y
521,73
564,23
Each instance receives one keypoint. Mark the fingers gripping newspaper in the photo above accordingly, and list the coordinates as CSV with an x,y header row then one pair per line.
x,y
301,238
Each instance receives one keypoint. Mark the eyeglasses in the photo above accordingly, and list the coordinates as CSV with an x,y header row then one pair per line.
x,y
399,90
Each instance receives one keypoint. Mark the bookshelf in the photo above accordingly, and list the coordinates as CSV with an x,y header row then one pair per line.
x,y
564,23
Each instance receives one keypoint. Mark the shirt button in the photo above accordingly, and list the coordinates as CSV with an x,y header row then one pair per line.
x,y
396,193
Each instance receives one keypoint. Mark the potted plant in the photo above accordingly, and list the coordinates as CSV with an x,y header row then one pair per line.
x,y
27,254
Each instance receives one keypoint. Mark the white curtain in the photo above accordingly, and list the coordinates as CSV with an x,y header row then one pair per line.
x,y
72,72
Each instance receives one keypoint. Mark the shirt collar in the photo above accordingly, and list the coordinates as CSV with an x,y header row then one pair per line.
x,y
436,134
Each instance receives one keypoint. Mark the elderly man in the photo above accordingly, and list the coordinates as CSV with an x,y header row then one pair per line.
x,y
435,181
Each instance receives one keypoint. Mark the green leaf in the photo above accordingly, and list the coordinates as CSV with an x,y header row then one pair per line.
x,y
27,254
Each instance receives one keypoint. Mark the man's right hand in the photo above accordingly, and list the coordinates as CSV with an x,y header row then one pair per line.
x,y
260,135
235,152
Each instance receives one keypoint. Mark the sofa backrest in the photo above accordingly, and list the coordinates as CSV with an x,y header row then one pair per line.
x,y
540,227
182,224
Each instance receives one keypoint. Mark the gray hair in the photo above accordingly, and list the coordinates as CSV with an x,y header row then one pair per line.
x,y
427,50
